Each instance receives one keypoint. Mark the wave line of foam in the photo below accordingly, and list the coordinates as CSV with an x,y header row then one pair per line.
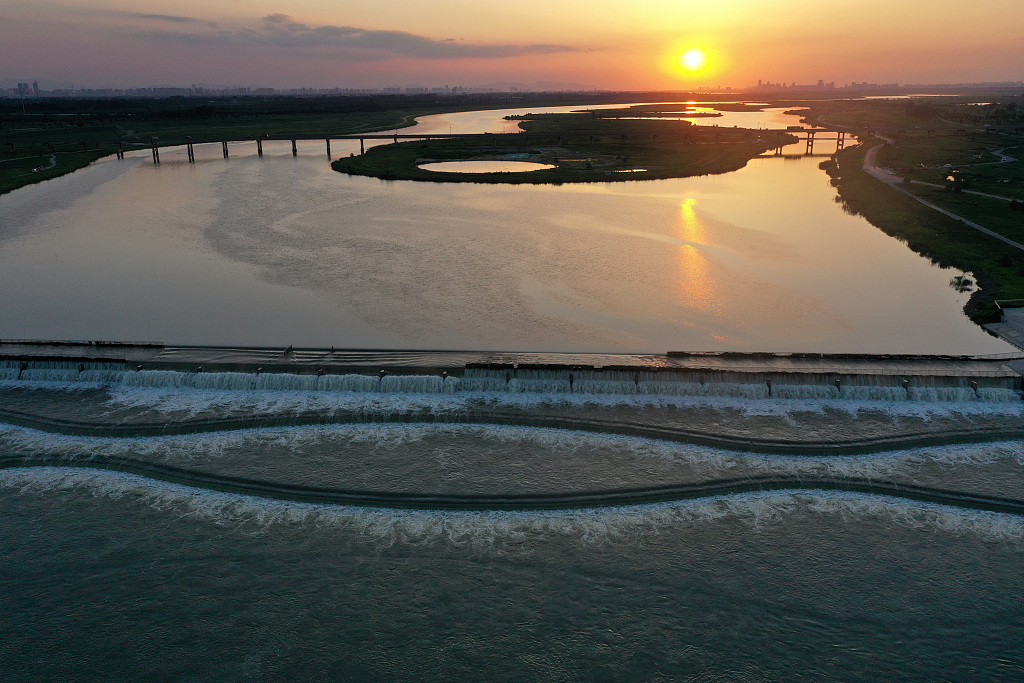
x,y
510,532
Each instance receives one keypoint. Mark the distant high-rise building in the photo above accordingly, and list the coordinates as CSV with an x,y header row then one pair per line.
x,y
35,88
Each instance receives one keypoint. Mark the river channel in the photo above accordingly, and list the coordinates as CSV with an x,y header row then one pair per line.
x,y
111,571
280,250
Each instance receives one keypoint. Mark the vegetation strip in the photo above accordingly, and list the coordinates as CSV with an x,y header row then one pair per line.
x,y
89,127
998,267
582,147
958,145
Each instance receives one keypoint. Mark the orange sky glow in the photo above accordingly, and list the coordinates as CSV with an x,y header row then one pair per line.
x,y
596,44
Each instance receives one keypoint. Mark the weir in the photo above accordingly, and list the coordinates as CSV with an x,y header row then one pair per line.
x,y
529,502
736,403
742,375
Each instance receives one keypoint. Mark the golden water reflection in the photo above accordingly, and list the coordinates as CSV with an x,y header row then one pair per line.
x,y
696,285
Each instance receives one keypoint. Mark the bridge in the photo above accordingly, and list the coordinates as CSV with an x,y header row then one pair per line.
x,y
521,138
155,143
809,135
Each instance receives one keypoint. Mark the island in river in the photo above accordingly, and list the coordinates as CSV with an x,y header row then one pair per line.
x,y
577,147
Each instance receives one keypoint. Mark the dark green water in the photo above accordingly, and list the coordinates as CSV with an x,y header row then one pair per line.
x,y
113,588
105,576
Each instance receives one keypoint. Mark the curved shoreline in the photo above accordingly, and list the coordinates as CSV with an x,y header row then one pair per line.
x,y
522,502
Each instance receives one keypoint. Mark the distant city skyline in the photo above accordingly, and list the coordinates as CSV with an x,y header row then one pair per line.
x,y
597,44
33,89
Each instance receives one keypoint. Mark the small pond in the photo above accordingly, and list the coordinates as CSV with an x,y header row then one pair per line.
x,y
485,166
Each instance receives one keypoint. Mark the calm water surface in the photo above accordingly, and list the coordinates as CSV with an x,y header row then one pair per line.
x,y
282,250
500,166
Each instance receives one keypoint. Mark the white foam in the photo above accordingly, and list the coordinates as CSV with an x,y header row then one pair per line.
x,y
552,444
514,532
550,385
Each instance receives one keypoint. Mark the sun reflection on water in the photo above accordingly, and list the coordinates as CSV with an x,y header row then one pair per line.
x,y
697,286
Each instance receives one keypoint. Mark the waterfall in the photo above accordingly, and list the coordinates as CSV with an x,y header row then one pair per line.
x,y
545,380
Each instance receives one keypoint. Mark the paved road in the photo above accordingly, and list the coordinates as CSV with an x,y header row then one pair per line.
x,y
894,181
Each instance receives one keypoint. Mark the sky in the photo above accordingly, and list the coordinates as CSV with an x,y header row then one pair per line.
x,y
606,44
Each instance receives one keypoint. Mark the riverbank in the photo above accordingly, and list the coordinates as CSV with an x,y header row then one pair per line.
x,y
76,148
997,266
22,171
81,131
579,148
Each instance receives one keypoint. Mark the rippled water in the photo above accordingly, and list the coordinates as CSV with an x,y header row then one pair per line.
x,y
105,576
113,576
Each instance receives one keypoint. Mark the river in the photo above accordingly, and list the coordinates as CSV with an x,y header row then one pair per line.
x,y
281,250
107,575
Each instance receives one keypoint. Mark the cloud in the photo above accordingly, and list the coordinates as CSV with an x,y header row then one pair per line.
x,y
165,17
282,31
147,17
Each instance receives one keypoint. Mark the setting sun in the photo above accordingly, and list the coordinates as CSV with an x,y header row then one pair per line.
x,y
693,60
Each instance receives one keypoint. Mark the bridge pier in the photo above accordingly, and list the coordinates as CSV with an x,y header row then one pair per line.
x,y
810,143
841,141
224,148
155,150
362,148
120,150
295,150
191,152
396,138
328,141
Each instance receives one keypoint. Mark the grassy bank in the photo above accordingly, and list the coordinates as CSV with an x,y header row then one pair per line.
x,y
32,130
580,148
22,171
32,148
975,158
998,267
997,215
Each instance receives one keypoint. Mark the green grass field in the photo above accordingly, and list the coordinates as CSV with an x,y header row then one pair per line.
x,y
582,149
100,138
998,267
